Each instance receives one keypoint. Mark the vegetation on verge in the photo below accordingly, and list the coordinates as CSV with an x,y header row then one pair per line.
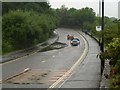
x,y
24,26
113,54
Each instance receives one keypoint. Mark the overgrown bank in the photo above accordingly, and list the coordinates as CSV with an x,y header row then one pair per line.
x,y
24,26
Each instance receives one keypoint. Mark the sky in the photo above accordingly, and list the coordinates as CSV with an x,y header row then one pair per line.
x,y
111,6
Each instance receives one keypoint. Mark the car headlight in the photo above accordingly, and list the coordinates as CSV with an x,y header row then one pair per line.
x,y
78,41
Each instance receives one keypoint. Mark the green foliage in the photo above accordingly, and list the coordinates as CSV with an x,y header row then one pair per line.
x,y
111,32
114,50
115,82
117,66
40,7
26,23
74,17
113,54
23,29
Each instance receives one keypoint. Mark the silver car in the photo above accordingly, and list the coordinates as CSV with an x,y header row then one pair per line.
x,y
75,42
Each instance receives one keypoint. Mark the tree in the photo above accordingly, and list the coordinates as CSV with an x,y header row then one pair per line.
x,y
22,29
41,7
74,17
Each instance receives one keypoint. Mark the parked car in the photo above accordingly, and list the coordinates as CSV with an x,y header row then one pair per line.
x,y
70,37
75,42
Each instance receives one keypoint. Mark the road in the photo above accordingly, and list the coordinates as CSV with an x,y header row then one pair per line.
x,y
54,62
87,74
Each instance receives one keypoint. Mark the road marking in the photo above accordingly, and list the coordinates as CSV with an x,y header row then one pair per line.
x,y
1,81
73,67
27,69
17,74
43,61
53,56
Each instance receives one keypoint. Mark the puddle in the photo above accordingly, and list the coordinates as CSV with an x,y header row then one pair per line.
x,y
56,45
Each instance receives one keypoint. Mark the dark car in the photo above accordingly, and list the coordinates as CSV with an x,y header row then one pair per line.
x,y
75,42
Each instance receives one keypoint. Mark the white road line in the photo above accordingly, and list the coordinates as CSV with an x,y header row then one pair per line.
x,y
17,74
43,61
53,56
0,81
73,67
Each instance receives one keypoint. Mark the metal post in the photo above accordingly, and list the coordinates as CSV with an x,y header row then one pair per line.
x,y
102,43
118,26
99,12
99,20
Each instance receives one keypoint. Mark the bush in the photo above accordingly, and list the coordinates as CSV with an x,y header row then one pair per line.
x,y
22,29
117,66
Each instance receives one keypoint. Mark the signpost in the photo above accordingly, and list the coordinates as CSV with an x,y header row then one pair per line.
x,y
98,28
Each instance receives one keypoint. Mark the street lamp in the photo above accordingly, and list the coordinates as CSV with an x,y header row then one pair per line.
x,y
102,39
118,23
102,43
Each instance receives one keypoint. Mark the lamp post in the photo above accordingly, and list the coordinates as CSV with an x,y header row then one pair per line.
x,y
102,41
118,22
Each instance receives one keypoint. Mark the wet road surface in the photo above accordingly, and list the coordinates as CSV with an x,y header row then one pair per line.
x,y
53,62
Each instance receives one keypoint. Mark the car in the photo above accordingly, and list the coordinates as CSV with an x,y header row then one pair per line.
x,y
75,42
70,37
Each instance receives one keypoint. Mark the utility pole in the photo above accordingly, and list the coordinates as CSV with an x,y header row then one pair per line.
x,y
102,39
99,12
102,43
99,20
119,17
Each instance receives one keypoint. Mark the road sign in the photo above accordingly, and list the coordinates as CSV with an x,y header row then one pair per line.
x,y
98,28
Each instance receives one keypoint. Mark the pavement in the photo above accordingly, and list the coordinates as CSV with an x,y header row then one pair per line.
x,y
87,74
28,51
104,84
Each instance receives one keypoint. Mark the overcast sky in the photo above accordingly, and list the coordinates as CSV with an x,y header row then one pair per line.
x,y
111,6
